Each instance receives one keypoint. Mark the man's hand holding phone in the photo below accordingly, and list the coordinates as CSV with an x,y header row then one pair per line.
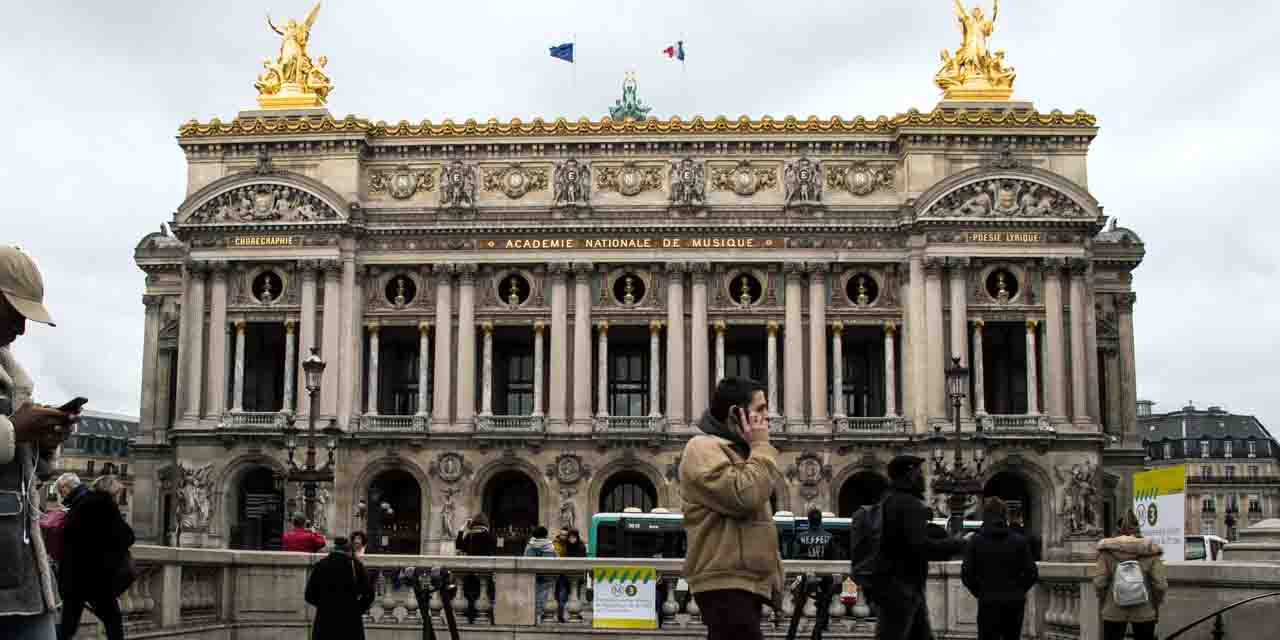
x,y
755,426
44,425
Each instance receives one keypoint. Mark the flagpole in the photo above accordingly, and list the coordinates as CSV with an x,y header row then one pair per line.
x,y
574,65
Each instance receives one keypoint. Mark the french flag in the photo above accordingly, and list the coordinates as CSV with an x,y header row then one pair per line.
x,y
675,51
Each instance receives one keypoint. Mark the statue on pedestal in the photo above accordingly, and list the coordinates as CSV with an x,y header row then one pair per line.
x,y
974,72
292,81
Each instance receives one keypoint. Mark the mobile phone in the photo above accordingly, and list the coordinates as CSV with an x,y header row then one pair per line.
x,y
74,406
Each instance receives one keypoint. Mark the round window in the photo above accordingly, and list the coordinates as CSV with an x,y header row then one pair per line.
x,y
628,289
513,290
267,287
745,289
401,290
1002,286
862,289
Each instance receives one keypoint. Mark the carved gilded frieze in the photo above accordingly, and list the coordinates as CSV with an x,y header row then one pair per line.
x,y
458,186
572,184
688,183
402,182
745,179
1005,198
265,202
860,178
802,181
629,179
515,180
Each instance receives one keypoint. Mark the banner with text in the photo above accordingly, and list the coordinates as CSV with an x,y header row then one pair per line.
x,y
624,598
1160,502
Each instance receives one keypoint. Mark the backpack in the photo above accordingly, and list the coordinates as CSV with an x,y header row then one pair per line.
x,y
865,528
1129,585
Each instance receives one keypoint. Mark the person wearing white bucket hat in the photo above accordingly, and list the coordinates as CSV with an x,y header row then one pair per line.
x,y
28,433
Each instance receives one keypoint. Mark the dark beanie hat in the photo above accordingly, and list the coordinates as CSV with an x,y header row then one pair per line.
x,y
901,466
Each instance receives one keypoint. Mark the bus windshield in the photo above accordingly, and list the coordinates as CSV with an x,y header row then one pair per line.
x,y
1194,549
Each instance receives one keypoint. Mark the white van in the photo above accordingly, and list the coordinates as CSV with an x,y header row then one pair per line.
x,y
1203,548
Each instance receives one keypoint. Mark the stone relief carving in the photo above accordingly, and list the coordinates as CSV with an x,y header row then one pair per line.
x,y
263,203
450,467
401,183
323,498
458,186
809,470
1005,198
568,469
629,179
194,506
860,179
1080,498
568,511
688,183
802,182
447,509
572,183
744,179
515,180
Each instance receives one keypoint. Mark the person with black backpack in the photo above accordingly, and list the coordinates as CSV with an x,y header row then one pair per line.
x,y
902,545
998,570
1131,580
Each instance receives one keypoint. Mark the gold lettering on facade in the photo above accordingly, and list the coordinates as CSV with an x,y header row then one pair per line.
x,y
1015,237
661,242
265,241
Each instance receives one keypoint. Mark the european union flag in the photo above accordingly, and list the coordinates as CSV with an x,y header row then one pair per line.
x,y
563,51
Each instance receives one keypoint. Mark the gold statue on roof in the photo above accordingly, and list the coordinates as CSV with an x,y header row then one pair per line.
x,y
292,81
974,72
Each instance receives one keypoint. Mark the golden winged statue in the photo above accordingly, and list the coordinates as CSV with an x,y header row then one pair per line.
x,y
292,81
974,72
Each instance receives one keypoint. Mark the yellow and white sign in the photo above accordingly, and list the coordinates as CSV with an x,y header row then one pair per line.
x,y
624,598
1160,502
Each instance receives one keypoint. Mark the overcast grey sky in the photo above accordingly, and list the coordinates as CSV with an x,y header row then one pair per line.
x,y
1184,92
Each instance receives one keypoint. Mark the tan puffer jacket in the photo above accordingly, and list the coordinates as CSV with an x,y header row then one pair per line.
x,y
1113,551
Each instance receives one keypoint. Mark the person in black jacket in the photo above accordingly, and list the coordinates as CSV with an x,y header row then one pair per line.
x,y
96,541
908,542
340,591
998,570
475,539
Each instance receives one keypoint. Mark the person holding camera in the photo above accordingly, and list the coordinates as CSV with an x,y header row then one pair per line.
x,y
340,590
29,436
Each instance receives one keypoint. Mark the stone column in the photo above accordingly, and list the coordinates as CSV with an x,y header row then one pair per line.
x,y
583,384
677,356
371,401
890,372
350,350
1113,412
793,336
935,362
556,406
979,381
216,385
655,368
424,363
466,402
602,371
917,347
699,391
183,351
331,341
581,348
149,422
443,370
719,329
1055,365
1128,398
306,330
1033,387
290,362
195,341
237,388
959,317
771,361
904,339
818,418
1079,359
486,371
837,370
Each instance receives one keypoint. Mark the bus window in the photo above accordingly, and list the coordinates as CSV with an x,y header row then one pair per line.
x,y
1216,546
1194,549
607,540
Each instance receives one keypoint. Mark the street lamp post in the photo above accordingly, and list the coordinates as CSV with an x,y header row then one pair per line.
x,y
309,476
959,481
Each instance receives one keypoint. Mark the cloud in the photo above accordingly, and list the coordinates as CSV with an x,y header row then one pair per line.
x,y
95,93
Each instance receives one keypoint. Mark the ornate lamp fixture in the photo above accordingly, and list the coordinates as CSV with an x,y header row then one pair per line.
x,y
309,475
960,480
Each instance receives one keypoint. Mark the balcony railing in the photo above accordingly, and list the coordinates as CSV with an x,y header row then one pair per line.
x,y
1203,479
511,424
629,424
394,424
1023,422
259,420
869,425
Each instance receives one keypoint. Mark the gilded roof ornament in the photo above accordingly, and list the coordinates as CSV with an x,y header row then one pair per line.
x,y
292,81
629,106
974,72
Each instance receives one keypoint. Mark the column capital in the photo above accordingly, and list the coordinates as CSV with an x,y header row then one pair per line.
x,y
958,264
539,327
719,326
239,326
793,270
558,270
466,273
675,267
1125,301
979,323
152,302
771,327
603,327
487,327
372,328
443,271
837,328
1053,265
890,329
332,268
698,271
581,269
1031,325
1078,266
219,269
655,327
904,270
933,265
424,328
289,326
197,269
307,268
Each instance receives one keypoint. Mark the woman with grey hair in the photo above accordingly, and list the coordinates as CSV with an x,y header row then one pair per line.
x,y
96,552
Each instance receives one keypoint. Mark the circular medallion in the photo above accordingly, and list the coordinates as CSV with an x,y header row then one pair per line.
x,y
630,181
515,183
744,182
568,470
450,467
403,185
859,182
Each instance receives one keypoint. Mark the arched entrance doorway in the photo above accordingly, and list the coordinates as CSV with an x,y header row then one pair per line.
x,y
862,488
628,489
260,514
511,502
1016,493
395,513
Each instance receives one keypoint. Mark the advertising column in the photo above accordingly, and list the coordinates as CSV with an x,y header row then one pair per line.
x,y
1159,500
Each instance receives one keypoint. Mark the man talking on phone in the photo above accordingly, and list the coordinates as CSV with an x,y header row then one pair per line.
x,y
28,433
727,476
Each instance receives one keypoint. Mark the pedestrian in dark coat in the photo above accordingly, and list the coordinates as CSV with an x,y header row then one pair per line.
x,y
908,542
998,570
340,591
96,541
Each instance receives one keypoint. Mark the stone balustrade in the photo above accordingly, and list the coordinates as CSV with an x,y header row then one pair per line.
x,y
873,424
197,593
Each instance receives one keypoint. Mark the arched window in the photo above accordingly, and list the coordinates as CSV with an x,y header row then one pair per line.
x,y
862,488
511,503
395,513
628,489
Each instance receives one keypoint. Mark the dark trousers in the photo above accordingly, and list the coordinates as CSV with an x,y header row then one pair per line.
x,y
105,607
730,614
905,618
1141,630
1000,620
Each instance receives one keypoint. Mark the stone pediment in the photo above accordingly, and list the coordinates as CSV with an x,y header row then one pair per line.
x,y
1008,192
262,198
